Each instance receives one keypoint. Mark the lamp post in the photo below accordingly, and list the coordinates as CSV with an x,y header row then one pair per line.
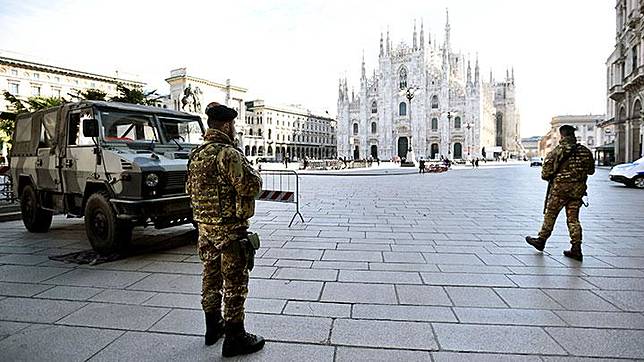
x,y
468,126
409,94
449,127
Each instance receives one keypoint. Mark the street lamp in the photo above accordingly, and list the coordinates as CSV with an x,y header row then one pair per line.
x,y
468,126
449,127
409,93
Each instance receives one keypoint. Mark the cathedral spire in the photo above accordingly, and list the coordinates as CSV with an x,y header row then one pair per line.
x,y
512,75
381,45
364,71
388,42
469,72
476,70
491,78
447,28
422,35
415,44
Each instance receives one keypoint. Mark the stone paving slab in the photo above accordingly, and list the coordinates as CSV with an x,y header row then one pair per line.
x,y
359,293
498,339
56,343
128,317
383,334
600,342
351,354
36,310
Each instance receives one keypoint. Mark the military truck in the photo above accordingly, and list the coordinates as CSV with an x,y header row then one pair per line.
x,y
117,165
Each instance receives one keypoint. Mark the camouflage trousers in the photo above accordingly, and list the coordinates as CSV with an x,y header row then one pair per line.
x,y
556,202
224,270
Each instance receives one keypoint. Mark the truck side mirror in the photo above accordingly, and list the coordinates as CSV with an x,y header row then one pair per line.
x,y
90,127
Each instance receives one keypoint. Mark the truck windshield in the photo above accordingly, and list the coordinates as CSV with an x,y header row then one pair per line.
x,y
128,127
181,130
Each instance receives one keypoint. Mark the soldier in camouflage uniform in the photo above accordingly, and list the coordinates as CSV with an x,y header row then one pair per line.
x,y
223,185
566,168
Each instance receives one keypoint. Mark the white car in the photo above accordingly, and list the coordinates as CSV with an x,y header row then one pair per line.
x,y
630,174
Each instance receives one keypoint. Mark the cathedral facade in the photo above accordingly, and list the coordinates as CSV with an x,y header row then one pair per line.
x,y
427,101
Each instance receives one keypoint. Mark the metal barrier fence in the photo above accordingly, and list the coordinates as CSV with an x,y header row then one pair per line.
x,y
6,190
281,186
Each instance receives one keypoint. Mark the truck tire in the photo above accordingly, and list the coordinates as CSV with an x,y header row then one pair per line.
x,y
105,232
36,219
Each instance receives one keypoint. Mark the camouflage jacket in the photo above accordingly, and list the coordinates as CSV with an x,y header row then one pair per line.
x,y
221,182
575,169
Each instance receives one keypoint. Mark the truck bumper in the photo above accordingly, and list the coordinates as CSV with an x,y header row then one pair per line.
x,y
163,212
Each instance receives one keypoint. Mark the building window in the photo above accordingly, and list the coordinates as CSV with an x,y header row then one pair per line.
x,y
14,72
374,127
55,92
591,141
634,59
434,101
36,76
374,107
355,129
434,124
35,90
250,132
270,133
457,122
57,79
14,88
403,78
402,109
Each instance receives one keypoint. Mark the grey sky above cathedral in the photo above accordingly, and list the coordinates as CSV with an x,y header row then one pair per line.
x,y
293,51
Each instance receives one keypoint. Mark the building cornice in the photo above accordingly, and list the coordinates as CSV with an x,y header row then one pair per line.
x,y
205,82
66,71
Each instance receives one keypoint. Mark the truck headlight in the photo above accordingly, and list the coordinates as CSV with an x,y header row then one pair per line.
x,y
151,180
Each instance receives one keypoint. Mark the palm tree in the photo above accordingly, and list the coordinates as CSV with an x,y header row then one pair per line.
x,y
135,96
89,95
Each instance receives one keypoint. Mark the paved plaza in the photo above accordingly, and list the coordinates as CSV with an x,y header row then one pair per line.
x,y
385,268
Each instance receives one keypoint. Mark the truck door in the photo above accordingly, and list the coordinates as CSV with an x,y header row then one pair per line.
x,y
78,163
47,167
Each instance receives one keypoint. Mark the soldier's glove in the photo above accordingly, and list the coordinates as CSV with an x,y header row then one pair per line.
x,y
251,244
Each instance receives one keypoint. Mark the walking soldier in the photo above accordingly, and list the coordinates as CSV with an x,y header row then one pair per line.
x,y
566,168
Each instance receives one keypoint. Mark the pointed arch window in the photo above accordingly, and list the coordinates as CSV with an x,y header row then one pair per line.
x,y
457,122
355,128
434,101
374,127
402,109
374,107
434,124
403,78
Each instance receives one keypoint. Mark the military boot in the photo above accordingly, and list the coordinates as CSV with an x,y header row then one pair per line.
x,y
574,252
214,327
538,243
238,341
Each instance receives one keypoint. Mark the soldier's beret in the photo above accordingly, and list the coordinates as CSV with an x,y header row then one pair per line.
x,y
567,128
220,113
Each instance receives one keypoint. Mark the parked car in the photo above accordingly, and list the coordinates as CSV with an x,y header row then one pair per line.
x,y
630,174
117,165
536,161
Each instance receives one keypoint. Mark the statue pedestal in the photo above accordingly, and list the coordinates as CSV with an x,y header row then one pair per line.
x,y
409,161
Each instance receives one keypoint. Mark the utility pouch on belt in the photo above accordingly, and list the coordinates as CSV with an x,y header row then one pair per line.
x,y
251,243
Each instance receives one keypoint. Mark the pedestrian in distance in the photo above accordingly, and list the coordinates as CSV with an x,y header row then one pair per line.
x,y
476,162
421,166
222,186
566,169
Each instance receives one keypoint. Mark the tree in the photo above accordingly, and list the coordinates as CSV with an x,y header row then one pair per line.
x,y
89,95
135,96
16,107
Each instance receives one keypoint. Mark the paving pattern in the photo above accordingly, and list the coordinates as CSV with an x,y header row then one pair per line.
x,y
396,267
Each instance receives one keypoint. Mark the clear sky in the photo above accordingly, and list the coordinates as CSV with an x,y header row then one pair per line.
x,y
294,51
